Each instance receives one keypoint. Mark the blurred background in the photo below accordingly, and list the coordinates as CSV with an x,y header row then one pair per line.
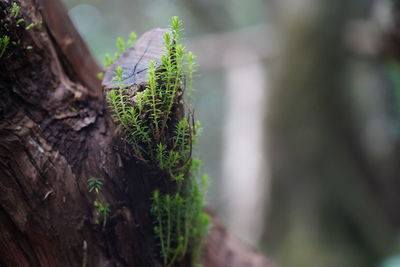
x,y
300,107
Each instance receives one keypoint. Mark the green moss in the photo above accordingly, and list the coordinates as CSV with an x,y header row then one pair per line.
x,y
9,30
20,21
33,25
164,142
95,185
14,11
100,76
30,26
4,42
121,46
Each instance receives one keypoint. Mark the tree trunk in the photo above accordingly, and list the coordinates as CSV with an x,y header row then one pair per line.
x,y
333,203
55,133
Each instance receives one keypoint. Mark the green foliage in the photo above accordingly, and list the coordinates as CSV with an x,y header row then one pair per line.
x,y
121,46
8,29
95,184
32,25
14,11
102,208
180,223
19,21
132,39
4,42
163,140
191,68
100,76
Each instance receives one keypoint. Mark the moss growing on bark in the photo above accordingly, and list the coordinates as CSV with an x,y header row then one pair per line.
x,y
161,131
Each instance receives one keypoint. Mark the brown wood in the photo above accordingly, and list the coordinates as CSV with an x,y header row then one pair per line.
x,y
55,133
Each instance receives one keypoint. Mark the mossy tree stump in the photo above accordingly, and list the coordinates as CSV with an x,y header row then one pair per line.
x,y
56,132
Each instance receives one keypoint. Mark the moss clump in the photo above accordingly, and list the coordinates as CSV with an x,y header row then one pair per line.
x,y
10,21
163,140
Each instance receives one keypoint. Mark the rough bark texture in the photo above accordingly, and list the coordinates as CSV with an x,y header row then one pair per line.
x,y
55,133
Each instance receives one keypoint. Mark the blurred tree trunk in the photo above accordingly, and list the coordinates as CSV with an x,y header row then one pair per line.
x,y
55,133
329,204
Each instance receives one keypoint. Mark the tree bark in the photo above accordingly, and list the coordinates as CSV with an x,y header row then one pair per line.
x,y
55,133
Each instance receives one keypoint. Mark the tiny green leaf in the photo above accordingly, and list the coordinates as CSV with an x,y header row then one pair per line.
x,y
30,26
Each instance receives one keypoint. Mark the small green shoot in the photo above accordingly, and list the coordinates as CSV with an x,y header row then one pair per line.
x,y
95,184
100,76
4,42
102,208
121,46
32,25
19,22
14,11
132,39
